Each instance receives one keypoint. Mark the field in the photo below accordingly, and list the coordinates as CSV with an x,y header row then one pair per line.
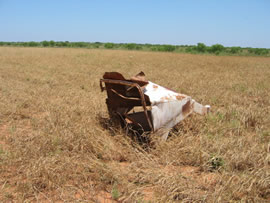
x,y
58,144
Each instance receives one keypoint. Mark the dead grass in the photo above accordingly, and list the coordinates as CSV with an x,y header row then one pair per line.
x,y
57,144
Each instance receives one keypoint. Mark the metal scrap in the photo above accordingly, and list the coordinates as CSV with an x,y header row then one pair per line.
x,y
147,105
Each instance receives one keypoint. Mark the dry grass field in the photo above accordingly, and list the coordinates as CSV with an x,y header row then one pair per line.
x,y
58,144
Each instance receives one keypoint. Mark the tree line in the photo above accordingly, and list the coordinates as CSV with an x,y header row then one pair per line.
x,y
200,48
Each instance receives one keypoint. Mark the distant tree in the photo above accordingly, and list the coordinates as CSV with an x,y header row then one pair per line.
x,y
96,45
59,44
235,50
117,45
130,46
20,44
201,47
153,48
216,48
67,43
24,44
33,44
139,47
109,45
167,48
147,45
133,46
80,44
190,49
250,50
45,43
260,51
51,43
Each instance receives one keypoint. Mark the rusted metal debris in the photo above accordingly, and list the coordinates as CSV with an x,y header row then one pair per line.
x,y
144,104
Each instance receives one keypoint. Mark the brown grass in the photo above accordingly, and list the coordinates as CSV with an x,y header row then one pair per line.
x,y
57,143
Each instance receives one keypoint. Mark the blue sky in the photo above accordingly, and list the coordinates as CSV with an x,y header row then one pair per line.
x,y
243,23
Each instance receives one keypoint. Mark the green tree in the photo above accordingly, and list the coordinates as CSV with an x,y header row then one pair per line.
x,y
216,48
79,44
45,43
51,43
260,51
190,49
130,46
167,48
201,47
109,45
235,50
96,45
154,48
33,44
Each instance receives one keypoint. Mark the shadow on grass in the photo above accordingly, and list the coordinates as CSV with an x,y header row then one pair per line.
x,y
116,126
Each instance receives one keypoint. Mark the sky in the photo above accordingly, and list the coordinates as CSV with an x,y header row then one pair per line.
x,y
244,23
